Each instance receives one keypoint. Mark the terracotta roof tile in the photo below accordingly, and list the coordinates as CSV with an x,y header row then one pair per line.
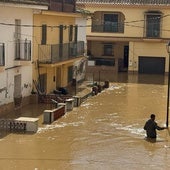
x,y
126,2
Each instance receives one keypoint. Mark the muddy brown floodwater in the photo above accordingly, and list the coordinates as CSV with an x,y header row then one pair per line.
x,y
104,133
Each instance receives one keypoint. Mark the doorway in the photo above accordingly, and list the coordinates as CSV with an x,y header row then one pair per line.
x,y
17,91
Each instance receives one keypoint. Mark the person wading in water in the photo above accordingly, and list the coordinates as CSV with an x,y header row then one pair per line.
x,y
151,127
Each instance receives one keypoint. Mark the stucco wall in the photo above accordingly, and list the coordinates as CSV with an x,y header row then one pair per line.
x,y
12,67
134,20
148,49
56,77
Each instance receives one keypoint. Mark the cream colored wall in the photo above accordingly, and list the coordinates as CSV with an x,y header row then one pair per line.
x,y
141,47
52,38
148,49
50,83
166,24
132,29
64,75
51,72
52,32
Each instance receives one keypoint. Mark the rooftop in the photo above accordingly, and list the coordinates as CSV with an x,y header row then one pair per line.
x,y
126,2
31,2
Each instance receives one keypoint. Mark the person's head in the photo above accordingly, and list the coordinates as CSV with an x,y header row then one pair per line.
x,y
152,116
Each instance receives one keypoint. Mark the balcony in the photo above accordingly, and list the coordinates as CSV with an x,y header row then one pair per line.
x,y
108,22
23,50
62,5
2,54
110,28
53,53
32,2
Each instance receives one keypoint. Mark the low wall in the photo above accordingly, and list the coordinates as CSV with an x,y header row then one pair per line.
x,y
46,98
21,124
52,115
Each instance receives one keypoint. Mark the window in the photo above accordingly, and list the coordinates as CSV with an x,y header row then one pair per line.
x,y
17,37
61,41
23,50
108,49
153,24
27,50
61,34
76,33
71,33
104,21
110,23
44,34
17,29
2,54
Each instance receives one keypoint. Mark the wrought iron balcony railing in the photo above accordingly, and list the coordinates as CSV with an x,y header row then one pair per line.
x,y
113,28
53,53
23,50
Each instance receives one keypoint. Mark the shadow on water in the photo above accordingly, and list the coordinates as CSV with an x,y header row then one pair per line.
x,y
4,133
31,110
142,78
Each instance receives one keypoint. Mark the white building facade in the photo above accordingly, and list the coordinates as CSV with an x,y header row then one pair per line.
x,y
16,36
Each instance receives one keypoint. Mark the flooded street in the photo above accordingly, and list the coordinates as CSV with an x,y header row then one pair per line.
x,y
104,133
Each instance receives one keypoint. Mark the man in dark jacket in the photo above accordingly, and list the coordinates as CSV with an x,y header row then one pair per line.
x,y
151,127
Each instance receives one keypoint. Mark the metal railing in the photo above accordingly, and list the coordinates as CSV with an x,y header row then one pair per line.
x,y
114,27
53,53
23,50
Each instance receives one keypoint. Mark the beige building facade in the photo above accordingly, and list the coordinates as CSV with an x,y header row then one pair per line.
x,y
128,36
58,45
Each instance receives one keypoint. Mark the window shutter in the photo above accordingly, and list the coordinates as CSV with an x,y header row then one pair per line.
x,y
44,34
76,33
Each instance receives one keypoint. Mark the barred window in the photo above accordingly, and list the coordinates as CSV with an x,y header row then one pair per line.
x,y
153,24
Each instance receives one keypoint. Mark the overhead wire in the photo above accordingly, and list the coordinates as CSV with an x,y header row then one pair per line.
x,y
127,23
